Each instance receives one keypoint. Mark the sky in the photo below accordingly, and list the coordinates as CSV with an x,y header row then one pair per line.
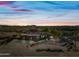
x,y
43,13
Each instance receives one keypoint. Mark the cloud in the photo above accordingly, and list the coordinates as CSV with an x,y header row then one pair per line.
x,y
6,2
31,22
40,13
23,10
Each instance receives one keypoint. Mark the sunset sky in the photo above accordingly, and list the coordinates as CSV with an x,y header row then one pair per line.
x,y
39,13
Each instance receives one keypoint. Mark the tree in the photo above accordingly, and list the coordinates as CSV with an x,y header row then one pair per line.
x,y
55,33
45,30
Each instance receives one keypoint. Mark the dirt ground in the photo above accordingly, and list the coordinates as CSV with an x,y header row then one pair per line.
x,y
18,49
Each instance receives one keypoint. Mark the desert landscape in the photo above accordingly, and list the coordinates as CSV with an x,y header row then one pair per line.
x,y
39,41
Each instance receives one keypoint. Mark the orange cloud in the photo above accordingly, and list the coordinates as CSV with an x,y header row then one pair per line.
x,y
63,23
42,23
